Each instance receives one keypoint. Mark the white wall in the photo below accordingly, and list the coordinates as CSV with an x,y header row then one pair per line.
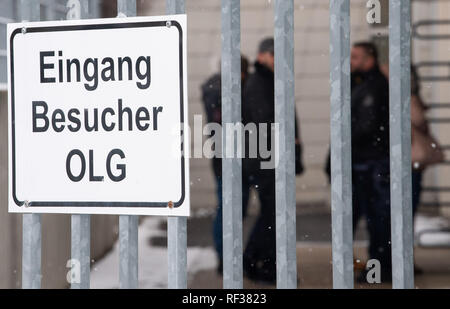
x,y
424,50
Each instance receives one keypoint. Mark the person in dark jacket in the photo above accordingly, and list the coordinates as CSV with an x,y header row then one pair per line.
x,y
370,153
212,100
258,108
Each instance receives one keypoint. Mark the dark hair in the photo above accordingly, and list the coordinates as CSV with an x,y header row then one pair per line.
x,y
267,46
369,48
244,64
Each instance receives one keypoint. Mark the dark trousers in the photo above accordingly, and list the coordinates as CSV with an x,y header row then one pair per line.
x,y
217,224
260,250
371,197
260,253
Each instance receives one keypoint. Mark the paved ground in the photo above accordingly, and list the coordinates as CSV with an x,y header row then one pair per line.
x,y
315,270
314,252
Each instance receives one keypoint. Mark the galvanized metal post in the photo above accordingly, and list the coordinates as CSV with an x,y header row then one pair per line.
x,y
128,247
175,6
30,10
231,166
80,250
126,8
285,171
177,252
31,251
341,143
95,9
80,224
400,140
128,225
31,223
177,226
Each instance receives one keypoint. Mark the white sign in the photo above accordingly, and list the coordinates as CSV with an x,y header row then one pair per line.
x,y
97,111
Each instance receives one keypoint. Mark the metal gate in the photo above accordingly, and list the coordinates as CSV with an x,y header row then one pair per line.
x,y
342,238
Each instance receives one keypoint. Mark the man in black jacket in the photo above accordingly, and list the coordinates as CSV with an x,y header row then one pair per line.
x,y
370,152
212,100
258,108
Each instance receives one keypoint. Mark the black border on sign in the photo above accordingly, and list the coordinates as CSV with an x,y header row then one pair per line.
x,y
97,27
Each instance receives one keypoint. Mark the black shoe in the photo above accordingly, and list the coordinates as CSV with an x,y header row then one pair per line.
x,y
260,274
418,270
386,277
262,277
362,277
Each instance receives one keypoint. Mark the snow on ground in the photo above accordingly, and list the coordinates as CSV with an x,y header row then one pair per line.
x,y
152,260
432,231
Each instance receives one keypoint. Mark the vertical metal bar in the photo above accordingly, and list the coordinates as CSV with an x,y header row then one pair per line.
x,y
177,226
126,8
231,166
30,10
31,223
31,251
128,225
177,252
128,244
49,10
400,140
80,224
285,171
95,9
175,6
80,249
341,143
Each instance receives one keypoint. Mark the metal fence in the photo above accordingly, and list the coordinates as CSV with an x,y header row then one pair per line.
x,y
342,238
